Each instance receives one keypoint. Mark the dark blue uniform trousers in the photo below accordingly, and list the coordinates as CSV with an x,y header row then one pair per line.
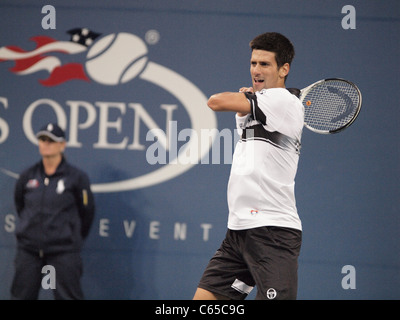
x,y
29,272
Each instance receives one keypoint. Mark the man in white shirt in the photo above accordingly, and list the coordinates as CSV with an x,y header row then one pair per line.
x,y
263,239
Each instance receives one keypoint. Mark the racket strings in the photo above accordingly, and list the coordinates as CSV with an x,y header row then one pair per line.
x,y
330,105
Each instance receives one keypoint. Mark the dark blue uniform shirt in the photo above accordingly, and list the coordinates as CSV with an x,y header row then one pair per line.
x,y
55,212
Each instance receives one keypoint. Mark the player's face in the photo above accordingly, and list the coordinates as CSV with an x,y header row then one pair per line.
x,y
264,70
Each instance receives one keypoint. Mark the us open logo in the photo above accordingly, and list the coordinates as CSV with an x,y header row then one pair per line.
x,y
113,60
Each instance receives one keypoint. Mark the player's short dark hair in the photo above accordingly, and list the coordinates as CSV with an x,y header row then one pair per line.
x,y
277,43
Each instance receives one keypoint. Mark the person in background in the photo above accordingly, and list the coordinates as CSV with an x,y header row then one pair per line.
x,y
55,208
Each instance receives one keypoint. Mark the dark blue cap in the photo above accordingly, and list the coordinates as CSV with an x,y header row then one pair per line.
x,y
53,131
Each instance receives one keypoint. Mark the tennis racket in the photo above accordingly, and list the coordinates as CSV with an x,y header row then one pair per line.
x,y
330,105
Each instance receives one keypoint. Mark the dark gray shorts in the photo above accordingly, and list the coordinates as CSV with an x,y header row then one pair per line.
x,y
265,257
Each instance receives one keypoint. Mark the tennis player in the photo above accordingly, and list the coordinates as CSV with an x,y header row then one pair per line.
x,y
263,240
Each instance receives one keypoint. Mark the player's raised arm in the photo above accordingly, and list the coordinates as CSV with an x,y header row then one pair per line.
x,y
229,101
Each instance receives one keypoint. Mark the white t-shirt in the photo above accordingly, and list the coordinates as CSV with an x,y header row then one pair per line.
x,y
262,179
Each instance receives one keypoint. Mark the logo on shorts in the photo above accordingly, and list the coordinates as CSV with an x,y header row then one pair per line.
x,y
271,293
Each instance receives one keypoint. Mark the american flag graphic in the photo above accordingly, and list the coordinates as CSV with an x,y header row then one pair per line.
x,y
43,57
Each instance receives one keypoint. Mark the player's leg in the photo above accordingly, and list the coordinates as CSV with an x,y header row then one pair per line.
x,y
203,294
226,275
272,256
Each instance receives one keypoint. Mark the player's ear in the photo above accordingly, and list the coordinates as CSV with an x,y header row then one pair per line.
x,y
284,70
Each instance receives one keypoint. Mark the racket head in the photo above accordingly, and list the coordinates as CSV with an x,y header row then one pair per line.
x,y
330,105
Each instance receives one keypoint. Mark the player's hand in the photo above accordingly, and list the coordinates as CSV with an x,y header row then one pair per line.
x,y
246,89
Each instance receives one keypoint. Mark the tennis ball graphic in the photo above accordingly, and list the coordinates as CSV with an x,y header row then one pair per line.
x,y
116,58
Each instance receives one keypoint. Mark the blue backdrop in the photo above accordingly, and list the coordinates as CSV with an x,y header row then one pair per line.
x,y
161,202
